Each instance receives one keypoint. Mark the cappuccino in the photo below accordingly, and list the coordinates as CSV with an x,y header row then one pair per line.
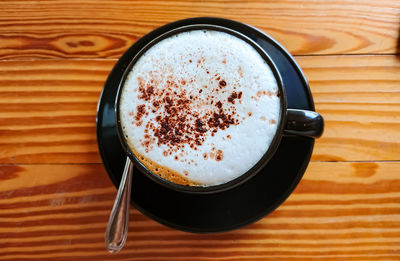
x,y
200,108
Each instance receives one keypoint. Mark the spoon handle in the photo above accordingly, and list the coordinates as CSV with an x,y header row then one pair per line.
x,y
117,228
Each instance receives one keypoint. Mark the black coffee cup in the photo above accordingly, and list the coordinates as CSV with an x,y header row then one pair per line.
x,y
292,121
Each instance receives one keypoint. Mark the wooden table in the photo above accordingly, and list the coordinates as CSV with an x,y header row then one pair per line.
x,y
55,196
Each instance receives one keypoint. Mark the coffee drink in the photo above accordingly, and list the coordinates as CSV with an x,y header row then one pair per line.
x,y
200,108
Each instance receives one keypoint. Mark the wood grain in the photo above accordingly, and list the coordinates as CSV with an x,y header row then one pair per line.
x,y
359,98
97,29
59,212
49,108
55,196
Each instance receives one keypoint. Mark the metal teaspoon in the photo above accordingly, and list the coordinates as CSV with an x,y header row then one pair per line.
x,y
117,228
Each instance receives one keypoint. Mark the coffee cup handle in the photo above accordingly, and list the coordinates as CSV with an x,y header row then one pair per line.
x,y
304,123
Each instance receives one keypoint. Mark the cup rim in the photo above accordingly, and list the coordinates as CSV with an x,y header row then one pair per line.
x,y
240,179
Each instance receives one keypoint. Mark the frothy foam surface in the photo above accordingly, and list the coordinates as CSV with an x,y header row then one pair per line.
x,y
200,108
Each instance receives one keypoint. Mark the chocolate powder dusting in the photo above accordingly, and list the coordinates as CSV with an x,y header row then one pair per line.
x,y
240,71
221,121
140,112
263,93
232,97
219,155
145,93
199,126
178,121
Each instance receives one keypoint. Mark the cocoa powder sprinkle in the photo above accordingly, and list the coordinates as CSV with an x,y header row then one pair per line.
x,y
140,112
219,155
178,121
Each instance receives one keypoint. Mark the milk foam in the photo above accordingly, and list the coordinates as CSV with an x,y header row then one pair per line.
x,y
218,89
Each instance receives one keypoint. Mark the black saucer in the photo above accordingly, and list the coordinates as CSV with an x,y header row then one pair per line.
x,y
226,210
